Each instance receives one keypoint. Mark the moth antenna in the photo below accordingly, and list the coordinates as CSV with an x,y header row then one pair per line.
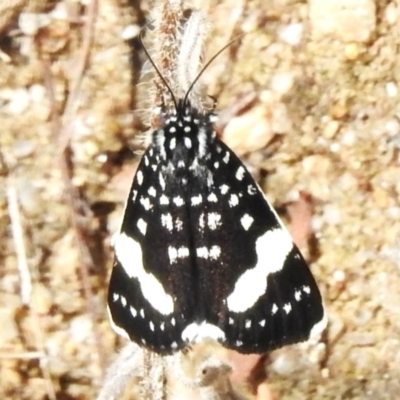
x,y
185,100
190,53
158,71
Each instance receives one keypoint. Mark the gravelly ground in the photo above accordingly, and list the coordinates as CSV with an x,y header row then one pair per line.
x,y
313,108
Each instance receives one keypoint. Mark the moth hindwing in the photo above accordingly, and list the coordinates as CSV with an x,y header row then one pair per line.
x,y
201,253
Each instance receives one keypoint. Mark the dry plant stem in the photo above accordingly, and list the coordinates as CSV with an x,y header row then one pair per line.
x,y
82,61
166,42
18,238
26,285
128,365
154,377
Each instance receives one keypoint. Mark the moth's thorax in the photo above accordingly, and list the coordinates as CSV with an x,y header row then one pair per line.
x,y
184,138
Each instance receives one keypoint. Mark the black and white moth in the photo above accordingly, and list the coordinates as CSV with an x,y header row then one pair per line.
x,y
202,254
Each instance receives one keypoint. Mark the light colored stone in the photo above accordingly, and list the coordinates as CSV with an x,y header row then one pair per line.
x,y
347,20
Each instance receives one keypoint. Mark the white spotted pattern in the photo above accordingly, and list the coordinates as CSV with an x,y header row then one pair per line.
x,y
162,181
240,173
166,221
212,198
146,203
178,200
306,289
188,142
164,200
246,221
224,189
142,226
233,200
133,311
214,220
287,307
196,200
226,157
139,177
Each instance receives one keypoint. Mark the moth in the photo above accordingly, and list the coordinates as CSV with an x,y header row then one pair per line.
x,y
202,254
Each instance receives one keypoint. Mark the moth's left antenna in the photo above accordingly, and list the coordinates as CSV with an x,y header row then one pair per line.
x,y
157,70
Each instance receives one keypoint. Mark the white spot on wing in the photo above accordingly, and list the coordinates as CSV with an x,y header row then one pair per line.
x,y
240,173
214,220
123,301
202,252
306,289
224,189
129,254
178,200
247,324
297,295
139,177
151,326
274,309
251,190
226,157
166,221
146,203
272,249
287,307
201,221
142,226
212,198
172,254
133,311
233,200
246,221
115,297
172,143
262,323
178,224
164,200
196,200
215,252
183,252
197,332
152,192
162,181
